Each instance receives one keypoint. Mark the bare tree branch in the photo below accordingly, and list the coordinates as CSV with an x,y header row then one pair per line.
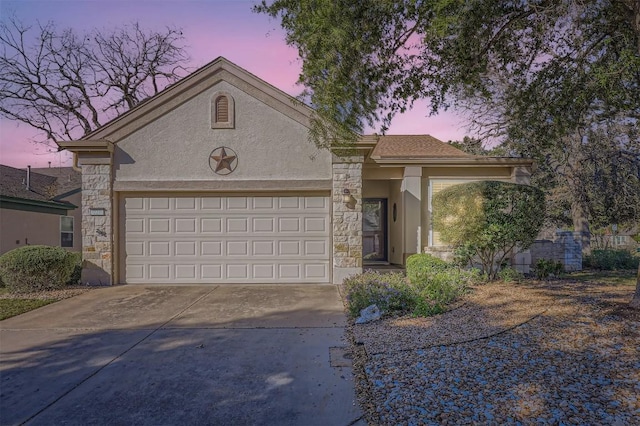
x,y
66,84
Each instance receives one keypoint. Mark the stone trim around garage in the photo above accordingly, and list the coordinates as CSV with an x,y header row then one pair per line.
x,y
97,235
347,217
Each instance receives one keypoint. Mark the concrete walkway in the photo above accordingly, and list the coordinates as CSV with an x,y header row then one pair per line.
x,y
167,355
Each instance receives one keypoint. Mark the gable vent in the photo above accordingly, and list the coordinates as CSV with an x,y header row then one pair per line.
x,y
222,109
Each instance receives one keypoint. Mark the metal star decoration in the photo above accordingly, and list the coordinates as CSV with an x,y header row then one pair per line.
x,y
225,160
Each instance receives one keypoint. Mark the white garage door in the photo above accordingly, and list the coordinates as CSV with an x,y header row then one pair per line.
x,y
227,239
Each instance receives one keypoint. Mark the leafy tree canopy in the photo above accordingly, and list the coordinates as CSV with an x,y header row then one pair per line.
x,y
547,67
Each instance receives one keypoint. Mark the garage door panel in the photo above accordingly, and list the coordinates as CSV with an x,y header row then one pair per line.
x,y
315,224
289,224
263,248
211,225
290,271
264,272
159,272
186,203
187,225
237,224
210,203
159,226
135,225
185,248
159,204
236,203
159,248
263,224
211,248
227,239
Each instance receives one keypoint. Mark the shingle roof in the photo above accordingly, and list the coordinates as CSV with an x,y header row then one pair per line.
x,y
415,146
13,183
68,179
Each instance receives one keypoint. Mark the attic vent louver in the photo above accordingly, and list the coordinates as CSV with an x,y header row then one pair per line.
x,y
222,111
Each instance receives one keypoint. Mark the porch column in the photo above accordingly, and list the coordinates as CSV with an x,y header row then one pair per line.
x,y
412,201
347,216
95,159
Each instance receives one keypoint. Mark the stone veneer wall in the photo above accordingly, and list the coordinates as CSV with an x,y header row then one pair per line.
x,y
347,217
565,248
97,240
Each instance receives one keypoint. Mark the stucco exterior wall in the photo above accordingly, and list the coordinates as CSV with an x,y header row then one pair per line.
x,y
177,146
375,189
20,228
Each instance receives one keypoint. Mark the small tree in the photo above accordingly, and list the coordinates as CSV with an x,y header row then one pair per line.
x,y
489,219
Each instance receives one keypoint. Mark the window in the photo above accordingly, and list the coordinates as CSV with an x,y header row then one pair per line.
x,y
222,111
66,231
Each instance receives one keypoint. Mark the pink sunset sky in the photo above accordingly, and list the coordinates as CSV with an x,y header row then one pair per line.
x,y
211,28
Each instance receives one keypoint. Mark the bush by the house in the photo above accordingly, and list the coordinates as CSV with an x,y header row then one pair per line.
x,y
489,219
509,275
422,265
431,284
35,268
544,268
436,283
389,292
609,260
77,268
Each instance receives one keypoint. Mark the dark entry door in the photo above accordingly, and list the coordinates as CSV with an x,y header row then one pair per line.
x,y
374,229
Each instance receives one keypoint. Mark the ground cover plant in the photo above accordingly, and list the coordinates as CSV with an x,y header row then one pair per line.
x,y
429,287
12,307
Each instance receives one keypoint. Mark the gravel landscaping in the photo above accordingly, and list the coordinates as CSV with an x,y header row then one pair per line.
x,y
553,353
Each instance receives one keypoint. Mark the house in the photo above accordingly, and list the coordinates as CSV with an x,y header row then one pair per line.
x,y
213,180
40,206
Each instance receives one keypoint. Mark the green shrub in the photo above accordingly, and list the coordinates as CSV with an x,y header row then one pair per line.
x,y
441,288
388,291
489,218
544,268
34,268
77,268
420,266
509,275
609,260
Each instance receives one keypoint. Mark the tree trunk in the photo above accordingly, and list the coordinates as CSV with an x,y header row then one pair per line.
x,y
580,220
635,302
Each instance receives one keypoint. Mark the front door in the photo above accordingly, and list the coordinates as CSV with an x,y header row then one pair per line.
x,y
374,230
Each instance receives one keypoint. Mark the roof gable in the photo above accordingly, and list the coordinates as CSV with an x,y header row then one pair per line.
x,y
199,81
416,147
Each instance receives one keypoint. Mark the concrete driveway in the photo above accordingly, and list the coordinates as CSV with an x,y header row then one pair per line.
x,y
191,355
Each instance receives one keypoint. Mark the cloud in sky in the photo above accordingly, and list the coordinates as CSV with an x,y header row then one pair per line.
x,y
211,28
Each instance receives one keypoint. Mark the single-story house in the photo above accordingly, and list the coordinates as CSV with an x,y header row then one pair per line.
x,y
40,206
214,180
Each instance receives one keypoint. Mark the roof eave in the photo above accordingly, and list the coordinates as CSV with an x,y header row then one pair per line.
x,y
470,161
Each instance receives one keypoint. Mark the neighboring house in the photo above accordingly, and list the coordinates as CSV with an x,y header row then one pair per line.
x,y
40,206
213,180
